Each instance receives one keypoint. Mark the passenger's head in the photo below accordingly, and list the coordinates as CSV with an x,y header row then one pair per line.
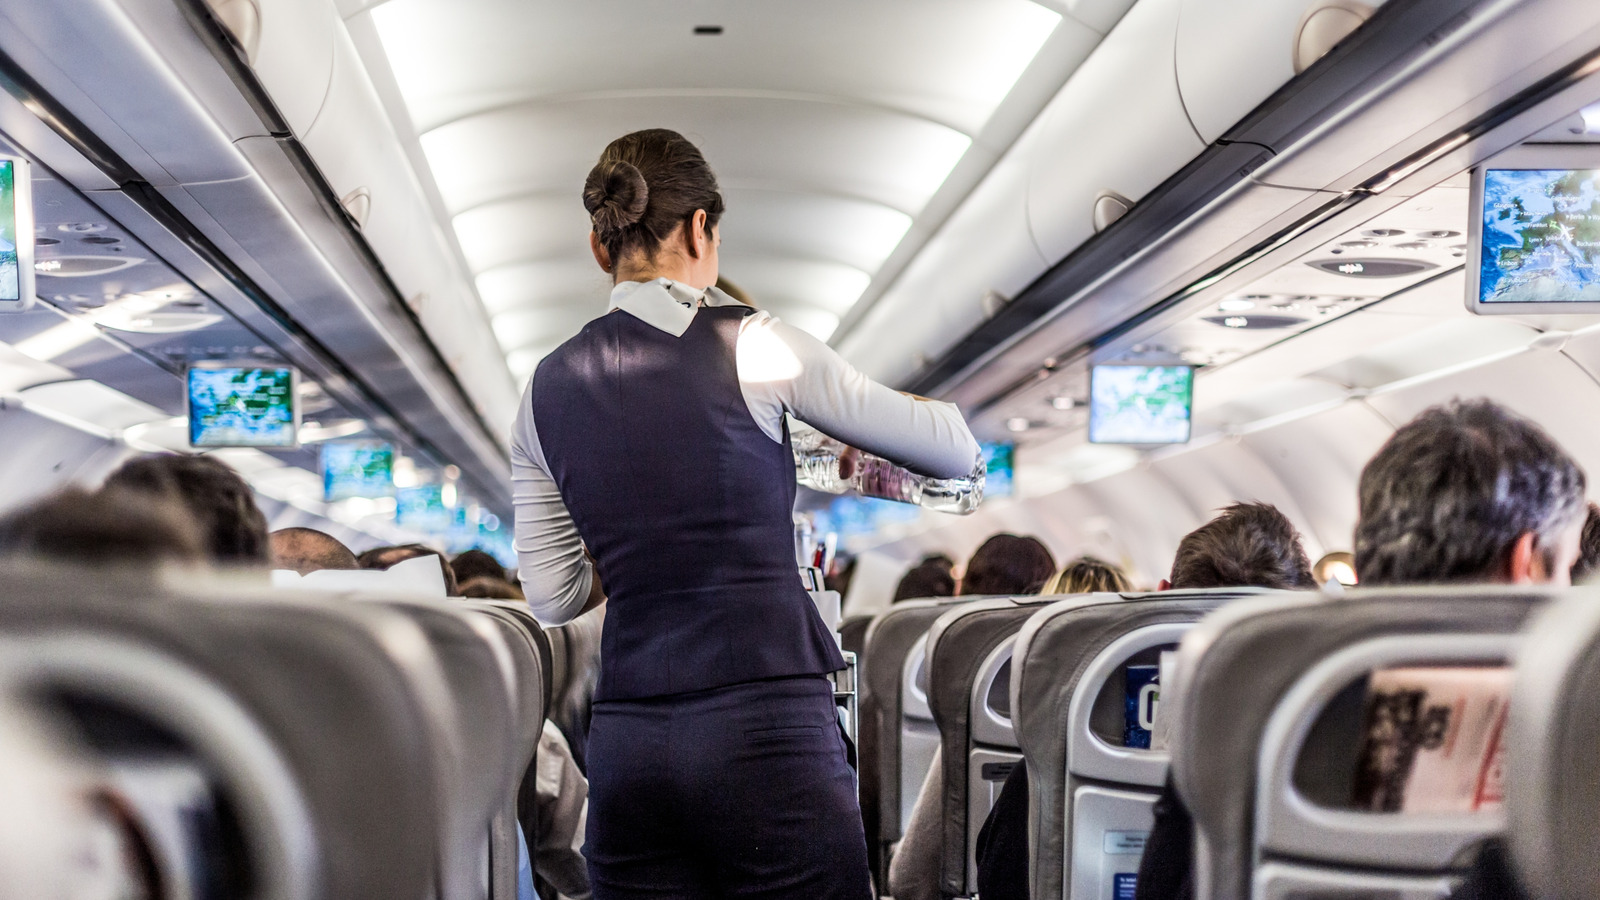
x,y
1246,545
218,501
932,577
1469,492
109,528
1588,548
1087,575
1008,564
308,550
484,587
654,205
382,558
470,564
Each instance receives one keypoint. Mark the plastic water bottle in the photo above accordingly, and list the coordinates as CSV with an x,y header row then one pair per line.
x,y
816,462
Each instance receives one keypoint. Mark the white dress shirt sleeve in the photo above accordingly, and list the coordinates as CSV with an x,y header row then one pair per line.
x,y
555,572
783,369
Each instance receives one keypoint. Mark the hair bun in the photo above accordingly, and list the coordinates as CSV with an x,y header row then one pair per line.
x,y
615,194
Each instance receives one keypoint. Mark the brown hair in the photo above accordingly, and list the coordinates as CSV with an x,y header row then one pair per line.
x,y
1247,545
1008,564
645,185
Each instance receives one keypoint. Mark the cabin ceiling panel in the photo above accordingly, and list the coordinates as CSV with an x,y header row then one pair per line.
x,y
795,143
951,61
809,226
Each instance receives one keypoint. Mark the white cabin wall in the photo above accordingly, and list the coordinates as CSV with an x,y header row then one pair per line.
x,y
42,456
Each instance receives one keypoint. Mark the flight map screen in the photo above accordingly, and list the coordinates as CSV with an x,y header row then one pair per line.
x,y
10,270
1541,236
357,469
1140,404
248,406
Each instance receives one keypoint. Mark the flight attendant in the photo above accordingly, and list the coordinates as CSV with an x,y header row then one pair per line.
x,y
651,455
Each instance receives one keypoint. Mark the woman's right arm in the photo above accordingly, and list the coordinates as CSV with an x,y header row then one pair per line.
x,y
782,366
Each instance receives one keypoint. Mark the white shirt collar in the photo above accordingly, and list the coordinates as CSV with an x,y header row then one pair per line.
x,y
664,303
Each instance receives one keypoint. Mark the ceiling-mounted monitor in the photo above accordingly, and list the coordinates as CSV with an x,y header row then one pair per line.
x,y
1534,231
16,234
1000,464
357,469
243,406
1140,404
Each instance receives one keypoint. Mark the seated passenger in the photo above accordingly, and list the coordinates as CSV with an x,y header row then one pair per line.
x,y
381,558
475,563
932,577
1007,564
1588,548
218,501
1088,575
1246,545
483,587
306,550
1003,564
1467,492
106,528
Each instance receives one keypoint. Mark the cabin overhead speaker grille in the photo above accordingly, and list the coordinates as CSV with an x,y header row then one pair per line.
x,y
1372,268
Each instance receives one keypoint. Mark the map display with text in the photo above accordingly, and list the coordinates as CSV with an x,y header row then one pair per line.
x,y
1541,236
357,469
1140,404
241,407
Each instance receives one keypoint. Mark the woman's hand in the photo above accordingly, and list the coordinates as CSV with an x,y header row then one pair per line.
x,y
849,461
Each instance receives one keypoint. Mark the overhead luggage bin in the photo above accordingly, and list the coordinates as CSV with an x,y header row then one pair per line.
x,y
1231,56
347,696
969,695
1068,688
1117,126
1267,735
901,720
1553,751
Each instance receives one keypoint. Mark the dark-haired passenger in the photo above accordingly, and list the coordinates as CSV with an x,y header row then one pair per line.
x,y
306,550
216,498
475,563
1588,548
933,576
1003,564
1007,564
1246,545
1466,493
106,528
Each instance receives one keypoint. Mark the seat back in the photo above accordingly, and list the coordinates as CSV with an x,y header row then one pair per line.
x,y
478,668
969,695
899,719
1090,796
1269,699
1553,751
528,685
314,720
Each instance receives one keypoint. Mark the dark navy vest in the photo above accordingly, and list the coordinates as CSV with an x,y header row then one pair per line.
x,y
685,504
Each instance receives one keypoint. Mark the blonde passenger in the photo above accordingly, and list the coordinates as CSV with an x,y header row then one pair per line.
x,y
1088,575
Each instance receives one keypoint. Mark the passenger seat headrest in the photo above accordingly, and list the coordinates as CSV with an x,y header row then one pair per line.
x,y
419,576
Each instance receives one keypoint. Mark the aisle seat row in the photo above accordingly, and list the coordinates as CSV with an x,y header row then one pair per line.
x,y
285,744
1263,702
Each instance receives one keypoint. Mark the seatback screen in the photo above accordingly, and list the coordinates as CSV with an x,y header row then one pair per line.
x,y
243,406
1134,404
